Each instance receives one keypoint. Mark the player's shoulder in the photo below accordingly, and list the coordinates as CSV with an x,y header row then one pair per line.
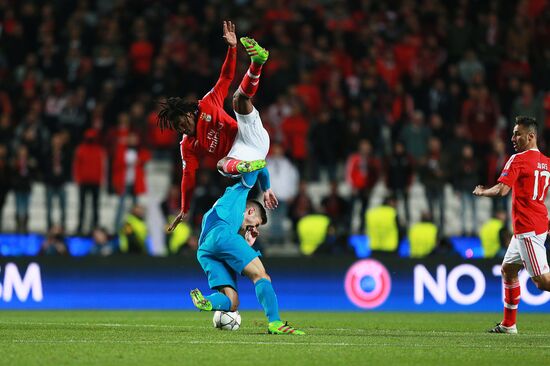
x,y
522,156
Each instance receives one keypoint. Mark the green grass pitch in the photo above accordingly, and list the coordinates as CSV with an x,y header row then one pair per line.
x,y
187,338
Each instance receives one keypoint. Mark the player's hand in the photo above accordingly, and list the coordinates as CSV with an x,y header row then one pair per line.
x,y
176,221
478,191
251,234
229,33
270,201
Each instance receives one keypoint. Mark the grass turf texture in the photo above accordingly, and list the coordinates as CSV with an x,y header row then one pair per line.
x,y
187,338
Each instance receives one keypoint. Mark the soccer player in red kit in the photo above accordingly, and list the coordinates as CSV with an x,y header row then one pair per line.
x,y
527,175
241,146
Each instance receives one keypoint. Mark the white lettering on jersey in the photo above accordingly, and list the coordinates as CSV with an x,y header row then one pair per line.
x,y
213,138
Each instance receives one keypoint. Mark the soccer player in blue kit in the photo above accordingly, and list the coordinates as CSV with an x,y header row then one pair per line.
x,y
229,229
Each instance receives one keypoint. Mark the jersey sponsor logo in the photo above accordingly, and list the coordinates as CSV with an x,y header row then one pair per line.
x,y
213,138
206,117
367,284
505,174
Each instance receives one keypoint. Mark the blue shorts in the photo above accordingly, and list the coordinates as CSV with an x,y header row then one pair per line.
x,y
222,255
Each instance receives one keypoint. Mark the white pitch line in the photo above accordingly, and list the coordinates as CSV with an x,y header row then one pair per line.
x,y
365,332
310,344
103,325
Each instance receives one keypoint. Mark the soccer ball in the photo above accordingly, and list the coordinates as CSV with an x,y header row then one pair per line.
x,y
227,320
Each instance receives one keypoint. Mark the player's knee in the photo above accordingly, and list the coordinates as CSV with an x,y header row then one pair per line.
x,y
262,275
508,271
220,163
542,283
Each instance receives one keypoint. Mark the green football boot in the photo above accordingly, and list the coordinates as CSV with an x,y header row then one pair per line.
x,y
257,53
278,327
250,166
199,301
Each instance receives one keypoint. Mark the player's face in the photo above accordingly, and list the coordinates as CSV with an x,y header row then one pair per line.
x,y
521,138
252,222
186,125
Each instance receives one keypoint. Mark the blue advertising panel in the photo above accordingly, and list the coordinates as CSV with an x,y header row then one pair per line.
x,y
390,284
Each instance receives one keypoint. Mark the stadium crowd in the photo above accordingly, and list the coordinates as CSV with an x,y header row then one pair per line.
x,y
357,91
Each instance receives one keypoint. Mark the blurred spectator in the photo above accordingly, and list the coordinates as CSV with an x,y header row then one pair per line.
x,y
300,206
415,136
24,168
480,115
422,236
284,182
323,146
72,117
5,180
337,209
133,233
206,194
530,105
57,172
6,130
33,134
295,129
103,245
54,244
312,230
495,164
469,67
129,173
466,176
399,173
382,226
433,173
362,173
163,142
88,172
494,235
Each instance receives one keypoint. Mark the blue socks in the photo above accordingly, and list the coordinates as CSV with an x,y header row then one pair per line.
x,y
219,301
268,299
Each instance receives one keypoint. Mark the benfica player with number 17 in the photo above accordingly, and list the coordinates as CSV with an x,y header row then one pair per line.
x,y
527,175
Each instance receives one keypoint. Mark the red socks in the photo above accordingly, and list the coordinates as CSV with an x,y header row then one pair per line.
x,y
230,166
251,79
511,301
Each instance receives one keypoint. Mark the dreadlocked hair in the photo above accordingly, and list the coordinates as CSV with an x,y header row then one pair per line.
x,y
173,108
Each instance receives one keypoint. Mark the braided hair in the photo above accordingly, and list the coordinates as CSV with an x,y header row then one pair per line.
x,y
173,108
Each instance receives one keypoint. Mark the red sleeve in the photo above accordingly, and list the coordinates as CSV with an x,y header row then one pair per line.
x,y
218,93
190,163
510,171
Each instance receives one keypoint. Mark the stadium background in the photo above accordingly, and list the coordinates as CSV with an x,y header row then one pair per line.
x,y
365,102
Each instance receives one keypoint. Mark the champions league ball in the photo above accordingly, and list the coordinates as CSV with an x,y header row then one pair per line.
x,y
227,320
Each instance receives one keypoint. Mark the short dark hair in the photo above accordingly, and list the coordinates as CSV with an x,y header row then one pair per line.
x,y
528,122
260,208
173,108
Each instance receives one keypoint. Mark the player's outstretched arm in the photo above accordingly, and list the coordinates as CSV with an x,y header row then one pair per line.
x,y
498,190
176,221
270,200
229,33
219,91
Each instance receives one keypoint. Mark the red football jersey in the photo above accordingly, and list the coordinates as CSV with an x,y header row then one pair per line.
x,y
528,176
215,130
